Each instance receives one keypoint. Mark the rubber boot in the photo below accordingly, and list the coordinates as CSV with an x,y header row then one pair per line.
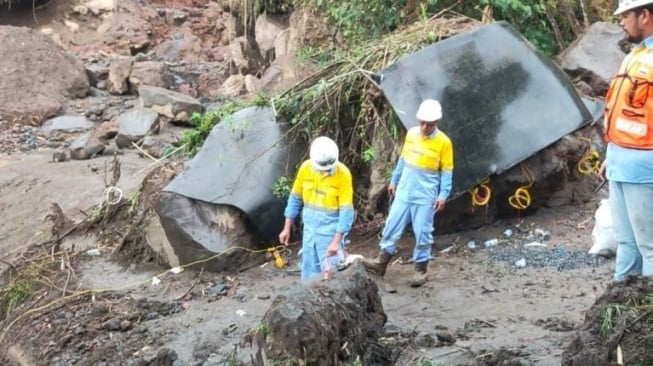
x,y
419,278
379,264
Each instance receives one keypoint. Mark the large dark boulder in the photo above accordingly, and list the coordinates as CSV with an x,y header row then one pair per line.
x,y
326,322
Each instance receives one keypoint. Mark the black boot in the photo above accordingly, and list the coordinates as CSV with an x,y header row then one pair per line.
x,y
419,278
379,264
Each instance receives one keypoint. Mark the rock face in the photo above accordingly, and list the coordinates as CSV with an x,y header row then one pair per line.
x,y
197,230
325,323
594,58
37,76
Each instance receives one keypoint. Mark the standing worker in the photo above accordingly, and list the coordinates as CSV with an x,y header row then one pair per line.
x,y
629,132
324,187
420,185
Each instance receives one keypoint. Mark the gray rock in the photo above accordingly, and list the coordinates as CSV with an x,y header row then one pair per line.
x,y
97,70
111,149
125,325
152,73
233,86
596,55
154,146
246,56
85,147
425,340
117,82
445,337
65,124
135,125
112,324
173,105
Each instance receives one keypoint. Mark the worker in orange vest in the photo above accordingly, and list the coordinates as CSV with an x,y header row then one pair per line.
x,y
629,132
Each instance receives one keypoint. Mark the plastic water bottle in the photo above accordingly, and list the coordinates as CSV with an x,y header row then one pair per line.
x,y
491,243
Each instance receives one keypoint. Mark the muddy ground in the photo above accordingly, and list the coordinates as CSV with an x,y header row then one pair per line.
x,y
479,306
535,298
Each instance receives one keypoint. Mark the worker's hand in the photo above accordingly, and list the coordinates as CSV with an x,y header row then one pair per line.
x,y
439,204
284,237
333,248
601,172
392,189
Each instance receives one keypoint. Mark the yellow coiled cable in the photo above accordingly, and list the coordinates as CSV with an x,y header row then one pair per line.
x,y
521,199
481,194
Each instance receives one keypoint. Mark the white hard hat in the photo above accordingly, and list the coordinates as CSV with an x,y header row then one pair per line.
x,y
324,153
625,5
429,111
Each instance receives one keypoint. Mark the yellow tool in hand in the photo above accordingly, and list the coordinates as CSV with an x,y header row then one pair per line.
x,y
278,259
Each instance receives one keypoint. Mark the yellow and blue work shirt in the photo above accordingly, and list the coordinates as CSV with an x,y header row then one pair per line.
x,y
424,172
327,199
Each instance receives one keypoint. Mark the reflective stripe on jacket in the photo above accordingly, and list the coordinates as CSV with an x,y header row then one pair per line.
x,y
327,199
425,169
629,109
432,154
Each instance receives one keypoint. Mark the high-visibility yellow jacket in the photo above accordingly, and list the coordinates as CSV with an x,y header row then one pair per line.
x,y
327,199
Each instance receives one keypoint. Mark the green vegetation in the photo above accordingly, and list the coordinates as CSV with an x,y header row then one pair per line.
x,y
193,140
282,187
607,317
20,285
549,25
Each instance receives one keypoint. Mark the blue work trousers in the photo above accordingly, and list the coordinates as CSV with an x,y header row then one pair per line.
x,y
314,260
421,217
631,206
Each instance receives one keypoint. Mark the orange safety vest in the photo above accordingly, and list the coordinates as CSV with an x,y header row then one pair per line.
x,y
629,110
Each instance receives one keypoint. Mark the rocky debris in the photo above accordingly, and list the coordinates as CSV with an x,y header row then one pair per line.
x,y
93,332
594,58
618,322
153,147
17,137
555,324
326,321
152,73
172,105
119,71
245,56
38,76
537,257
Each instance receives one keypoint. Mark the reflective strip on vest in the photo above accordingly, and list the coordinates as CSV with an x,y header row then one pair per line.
x,y
630,102
424,153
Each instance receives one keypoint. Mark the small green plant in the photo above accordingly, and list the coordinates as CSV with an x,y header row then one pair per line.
x,y
607,317
638,363
98,211
261,100
133,202
170,151
369,154
17,293
204,123
261,330
282,187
